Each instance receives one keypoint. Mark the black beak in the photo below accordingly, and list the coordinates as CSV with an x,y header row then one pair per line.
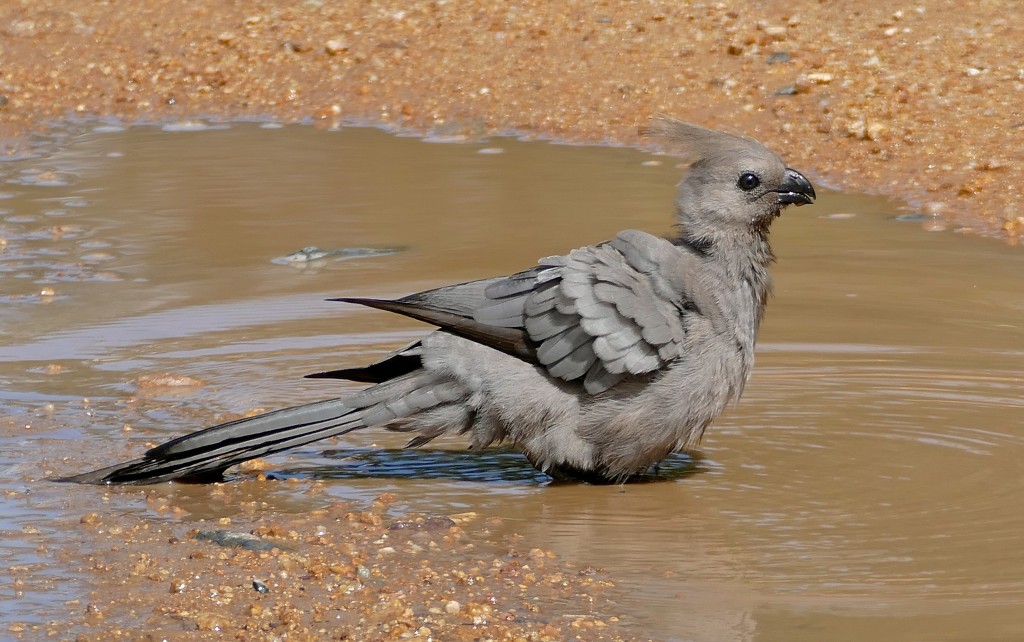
x,y
795,189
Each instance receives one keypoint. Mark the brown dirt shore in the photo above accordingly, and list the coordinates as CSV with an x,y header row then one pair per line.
x,y
335,573
921,102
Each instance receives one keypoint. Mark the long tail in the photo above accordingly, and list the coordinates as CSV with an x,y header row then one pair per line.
x,y
204,455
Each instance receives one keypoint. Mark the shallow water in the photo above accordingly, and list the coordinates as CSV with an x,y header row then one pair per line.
x,y
866,486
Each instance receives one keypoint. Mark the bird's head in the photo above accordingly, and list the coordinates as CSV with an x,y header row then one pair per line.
x,y
735,185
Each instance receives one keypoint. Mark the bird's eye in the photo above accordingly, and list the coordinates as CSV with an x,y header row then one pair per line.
x,y
748,181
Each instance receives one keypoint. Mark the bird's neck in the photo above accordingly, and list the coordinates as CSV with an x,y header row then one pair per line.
x,y
743,251
742,258
711,235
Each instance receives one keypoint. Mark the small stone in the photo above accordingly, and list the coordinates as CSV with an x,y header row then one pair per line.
x,y
452,607
207,621
231,539
329,116
335,46
297,46
254,465
856,129
875,130
226,37
1014,226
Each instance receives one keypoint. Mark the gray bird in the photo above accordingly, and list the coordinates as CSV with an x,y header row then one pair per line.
x,y
596,364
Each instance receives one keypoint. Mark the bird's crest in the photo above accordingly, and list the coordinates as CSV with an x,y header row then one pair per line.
x,y
696,143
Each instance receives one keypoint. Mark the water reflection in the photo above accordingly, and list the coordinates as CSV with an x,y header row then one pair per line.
x,y
494,466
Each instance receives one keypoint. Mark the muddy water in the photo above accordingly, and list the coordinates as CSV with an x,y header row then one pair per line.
x,y
869,484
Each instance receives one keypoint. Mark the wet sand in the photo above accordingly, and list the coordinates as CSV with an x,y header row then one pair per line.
x,y
919,102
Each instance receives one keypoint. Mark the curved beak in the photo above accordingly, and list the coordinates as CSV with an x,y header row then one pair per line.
x,y
795,189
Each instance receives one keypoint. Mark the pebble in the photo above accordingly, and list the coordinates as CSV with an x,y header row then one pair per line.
x,y
235,540
335,46
819,78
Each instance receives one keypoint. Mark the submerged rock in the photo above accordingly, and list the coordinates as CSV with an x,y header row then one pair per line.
x,y
313,253
232,539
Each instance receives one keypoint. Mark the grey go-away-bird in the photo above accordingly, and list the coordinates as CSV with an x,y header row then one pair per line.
x,y
596,364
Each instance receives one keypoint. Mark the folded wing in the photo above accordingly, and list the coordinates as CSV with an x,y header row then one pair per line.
x,y
594,316
598,314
